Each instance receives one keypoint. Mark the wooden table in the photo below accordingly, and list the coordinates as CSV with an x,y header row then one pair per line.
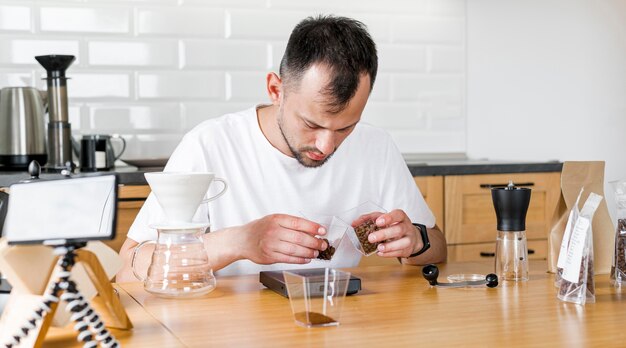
x,y
147,331
396,307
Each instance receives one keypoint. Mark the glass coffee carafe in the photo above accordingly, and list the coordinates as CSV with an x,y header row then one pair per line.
x,y
180,265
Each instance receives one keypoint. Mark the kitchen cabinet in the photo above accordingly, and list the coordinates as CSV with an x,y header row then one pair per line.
x,y
130,200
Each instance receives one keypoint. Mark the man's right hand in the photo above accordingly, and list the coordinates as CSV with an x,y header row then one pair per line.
x,y
282,238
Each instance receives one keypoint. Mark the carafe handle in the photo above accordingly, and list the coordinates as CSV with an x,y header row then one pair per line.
x,y
134,257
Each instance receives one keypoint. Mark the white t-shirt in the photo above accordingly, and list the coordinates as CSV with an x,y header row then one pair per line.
x,y
367,167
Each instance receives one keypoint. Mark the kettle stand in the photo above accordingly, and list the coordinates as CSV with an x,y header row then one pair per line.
x,y
107,302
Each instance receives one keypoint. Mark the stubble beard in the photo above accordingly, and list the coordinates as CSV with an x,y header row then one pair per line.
x,y
299,154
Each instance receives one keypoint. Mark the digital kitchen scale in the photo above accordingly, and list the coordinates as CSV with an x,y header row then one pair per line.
x,y
275,281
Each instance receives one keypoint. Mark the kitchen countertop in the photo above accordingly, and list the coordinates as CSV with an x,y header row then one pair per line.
x,y
129,175
469,166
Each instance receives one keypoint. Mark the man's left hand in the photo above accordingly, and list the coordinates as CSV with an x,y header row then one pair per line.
x,y
397,235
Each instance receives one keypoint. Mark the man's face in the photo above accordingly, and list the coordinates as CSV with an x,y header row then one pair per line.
x,y
311,132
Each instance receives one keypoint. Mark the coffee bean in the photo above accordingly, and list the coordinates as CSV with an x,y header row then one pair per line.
x,y
618,271
328,253
567,288
362,232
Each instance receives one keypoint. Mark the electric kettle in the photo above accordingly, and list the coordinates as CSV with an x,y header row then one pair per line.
x,y
22,127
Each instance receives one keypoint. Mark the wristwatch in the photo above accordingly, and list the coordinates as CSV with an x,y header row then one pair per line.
x,y
424,234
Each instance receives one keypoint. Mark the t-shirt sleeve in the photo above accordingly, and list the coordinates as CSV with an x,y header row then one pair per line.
x,y
187,157
400,191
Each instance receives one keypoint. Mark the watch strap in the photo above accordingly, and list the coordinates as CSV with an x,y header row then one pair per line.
x,y
424,233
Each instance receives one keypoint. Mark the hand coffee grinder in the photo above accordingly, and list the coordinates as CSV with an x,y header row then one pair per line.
x,y
511,204
59,128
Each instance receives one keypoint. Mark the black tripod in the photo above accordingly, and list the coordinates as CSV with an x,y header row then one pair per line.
x,y
88,322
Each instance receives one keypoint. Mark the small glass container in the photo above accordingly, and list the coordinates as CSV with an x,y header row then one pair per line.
x,y
335,233
512,256
360,223
317,299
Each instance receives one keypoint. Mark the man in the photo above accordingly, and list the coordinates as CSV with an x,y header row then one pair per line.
x,y
305,153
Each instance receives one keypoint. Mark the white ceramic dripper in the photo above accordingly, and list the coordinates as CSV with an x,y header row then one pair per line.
x,y
179,194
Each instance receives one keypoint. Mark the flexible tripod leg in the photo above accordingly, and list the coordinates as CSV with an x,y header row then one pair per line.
x,y
86,318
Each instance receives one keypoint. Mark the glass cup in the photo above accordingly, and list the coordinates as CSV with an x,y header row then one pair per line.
x,y
316,298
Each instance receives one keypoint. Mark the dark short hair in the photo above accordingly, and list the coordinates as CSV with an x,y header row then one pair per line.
x,y
342,44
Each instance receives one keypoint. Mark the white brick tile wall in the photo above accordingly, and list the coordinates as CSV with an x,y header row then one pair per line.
x,y
150,145
448,124
153,69
409,58
187,21
14,78
446,59
395,116
198,112
155,53
429,30
277,49
80,19
225,54
248,86
392,6
75,115
124,118
263,24
181,85
98,85
23,51
445,110
424,87
447,8
15,18
318,5
431,141
236,3
382,88
379,26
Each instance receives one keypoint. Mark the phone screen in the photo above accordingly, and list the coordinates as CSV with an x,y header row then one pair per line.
x,y
60,211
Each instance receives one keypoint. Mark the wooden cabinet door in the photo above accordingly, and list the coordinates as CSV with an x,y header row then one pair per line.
x,y
130,200
431,188
469,212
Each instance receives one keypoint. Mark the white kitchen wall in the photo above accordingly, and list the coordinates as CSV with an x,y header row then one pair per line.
x,y
153,69
547,80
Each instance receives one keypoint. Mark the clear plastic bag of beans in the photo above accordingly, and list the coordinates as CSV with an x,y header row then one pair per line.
x,y
618,268
577,283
